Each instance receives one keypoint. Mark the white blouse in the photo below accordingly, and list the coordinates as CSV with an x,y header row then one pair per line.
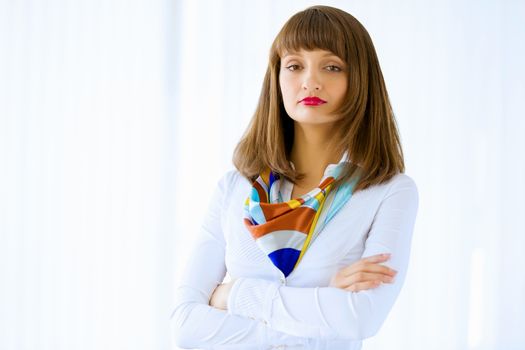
x,y
268,311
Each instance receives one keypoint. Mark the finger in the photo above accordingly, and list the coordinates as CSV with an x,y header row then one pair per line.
x,y
377,258
368,267
378,268
360,277
356,287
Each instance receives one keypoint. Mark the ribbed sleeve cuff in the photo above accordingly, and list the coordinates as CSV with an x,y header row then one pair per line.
x,y
252,297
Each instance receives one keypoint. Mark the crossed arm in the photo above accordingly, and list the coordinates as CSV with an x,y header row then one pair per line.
x,y
260,310
196,324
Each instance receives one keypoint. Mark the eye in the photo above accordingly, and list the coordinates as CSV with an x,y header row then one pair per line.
x,y
333,68
293,67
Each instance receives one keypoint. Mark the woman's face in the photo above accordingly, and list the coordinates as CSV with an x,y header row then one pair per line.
x,y
317,74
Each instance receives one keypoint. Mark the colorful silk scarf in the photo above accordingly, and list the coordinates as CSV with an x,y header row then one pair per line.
x,y
285,230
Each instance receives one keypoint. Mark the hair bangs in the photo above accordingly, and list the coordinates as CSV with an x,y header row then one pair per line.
x,y
309,30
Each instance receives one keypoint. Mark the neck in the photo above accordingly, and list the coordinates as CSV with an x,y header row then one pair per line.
x,y
312,150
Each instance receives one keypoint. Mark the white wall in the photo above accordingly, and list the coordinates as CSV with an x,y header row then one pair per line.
x,y
84,155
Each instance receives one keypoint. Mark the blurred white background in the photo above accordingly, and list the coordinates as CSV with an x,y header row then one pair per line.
x,y
117,118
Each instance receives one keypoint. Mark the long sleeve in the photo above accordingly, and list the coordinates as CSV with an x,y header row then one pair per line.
x,y
194,323
331,313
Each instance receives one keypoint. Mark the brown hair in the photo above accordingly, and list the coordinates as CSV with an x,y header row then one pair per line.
x,y
368,129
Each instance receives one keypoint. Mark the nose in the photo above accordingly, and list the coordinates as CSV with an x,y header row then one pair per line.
x,y
311,81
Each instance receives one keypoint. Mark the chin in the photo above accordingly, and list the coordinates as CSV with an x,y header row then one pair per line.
x,y
314,122
314,119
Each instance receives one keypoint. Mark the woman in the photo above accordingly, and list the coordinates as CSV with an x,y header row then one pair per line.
x,y
314,225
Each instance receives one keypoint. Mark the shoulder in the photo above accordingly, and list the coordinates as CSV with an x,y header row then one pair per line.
x,y
403,187
232,187
398,182
402,181
230,180
399,186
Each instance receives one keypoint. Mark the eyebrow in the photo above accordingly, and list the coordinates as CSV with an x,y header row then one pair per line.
x,y
294,53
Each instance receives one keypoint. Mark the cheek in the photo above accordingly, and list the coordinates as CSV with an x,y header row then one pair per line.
x,y
286,90
341,89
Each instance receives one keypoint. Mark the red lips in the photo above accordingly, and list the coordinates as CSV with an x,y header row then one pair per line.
x,y
312,101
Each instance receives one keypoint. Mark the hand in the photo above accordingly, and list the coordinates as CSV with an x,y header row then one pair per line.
x,y
366,273
219,297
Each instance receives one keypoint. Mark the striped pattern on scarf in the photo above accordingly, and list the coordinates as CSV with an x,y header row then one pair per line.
x,y
285,230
